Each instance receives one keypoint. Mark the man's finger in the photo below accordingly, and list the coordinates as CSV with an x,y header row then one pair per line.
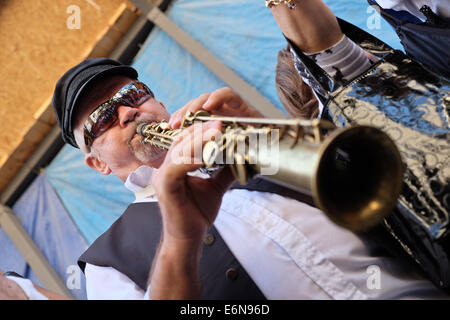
x,y
192,106
185,154
221,96
175,118
222,179
199,102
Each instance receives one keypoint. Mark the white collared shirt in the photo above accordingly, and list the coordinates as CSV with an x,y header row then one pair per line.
x,y
290,250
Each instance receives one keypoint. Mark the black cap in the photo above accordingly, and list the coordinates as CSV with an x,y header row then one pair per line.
x,y
71,85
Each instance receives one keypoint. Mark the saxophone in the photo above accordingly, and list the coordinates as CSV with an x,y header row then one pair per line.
x,y
354,174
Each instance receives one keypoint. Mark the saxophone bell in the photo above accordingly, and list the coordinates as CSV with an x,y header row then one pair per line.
x,y
358,177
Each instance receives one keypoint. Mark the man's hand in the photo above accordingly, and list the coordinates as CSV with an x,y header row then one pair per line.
x,y
189,204
224,102
178,191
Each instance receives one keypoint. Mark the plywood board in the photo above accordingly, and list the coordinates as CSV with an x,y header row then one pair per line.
x,y
40,41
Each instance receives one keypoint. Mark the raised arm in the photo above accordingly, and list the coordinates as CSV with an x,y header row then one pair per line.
x,y
311,25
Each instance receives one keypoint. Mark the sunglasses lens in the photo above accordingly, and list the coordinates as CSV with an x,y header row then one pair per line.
x,y
106,117
136,95
131,98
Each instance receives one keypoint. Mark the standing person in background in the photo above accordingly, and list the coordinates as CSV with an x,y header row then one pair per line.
x,y
314,31
423,27
313,28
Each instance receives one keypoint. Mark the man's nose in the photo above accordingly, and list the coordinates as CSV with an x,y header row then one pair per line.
x,y
126,114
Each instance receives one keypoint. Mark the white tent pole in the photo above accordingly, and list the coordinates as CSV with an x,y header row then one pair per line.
x,y
246,91
31,252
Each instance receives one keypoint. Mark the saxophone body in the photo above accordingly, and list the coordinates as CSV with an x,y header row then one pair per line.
x,y
354,174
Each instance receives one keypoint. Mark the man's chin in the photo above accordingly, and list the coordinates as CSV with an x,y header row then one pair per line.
x,y
146,153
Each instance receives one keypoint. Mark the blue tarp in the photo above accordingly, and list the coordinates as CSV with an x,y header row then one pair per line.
x,y
51,228
365,17
94,201
242,34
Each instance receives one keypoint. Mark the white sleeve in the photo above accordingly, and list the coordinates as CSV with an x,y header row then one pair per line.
x,y
106,283
344,60
147,293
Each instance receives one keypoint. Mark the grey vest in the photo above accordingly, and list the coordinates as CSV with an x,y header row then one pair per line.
x,y
130,245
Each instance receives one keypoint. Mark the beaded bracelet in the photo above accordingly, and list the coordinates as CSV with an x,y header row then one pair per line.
x,y
273,3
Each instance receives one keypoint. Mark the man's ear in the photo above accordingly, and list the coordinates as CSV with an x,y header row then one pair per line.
x,y
97,164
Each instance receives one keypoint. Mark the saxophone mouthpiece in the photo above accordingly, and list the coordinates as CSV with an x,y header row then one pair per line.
x,y
140,129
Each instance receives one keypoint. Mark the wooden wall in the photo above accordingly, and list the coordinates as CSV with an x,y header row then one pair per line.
x,y
37,47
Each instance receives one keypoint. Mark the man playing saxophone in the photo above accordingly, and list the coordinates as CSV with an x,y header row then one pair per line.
x,y
187,236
